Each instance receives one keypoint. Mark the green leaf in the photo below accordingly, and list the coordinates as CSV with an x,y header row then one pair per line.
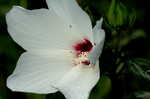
x,y
117,13
24,3
35,96
140,95
140,68
103,88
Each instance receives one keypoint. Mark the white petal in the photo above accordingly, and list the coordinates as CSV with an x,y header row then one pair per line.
x,y
78,83
71,12
39,29
98,37
98,32
37,73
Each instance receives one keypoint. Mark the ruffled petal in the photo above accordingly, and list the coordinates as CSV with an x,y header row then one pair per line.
x,y
78,83
98,37
37,73
39,29
71,12
98,32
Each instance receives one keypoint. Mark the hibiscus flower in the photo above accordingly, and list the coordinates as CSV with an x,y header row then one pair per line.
x,y
62,49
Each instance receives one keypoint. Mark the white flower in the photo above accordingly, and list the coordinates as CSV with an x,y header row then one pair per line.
x,y
62,50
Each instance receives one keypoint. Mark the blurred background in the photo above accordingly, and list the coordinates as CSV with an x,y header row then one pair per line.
x,y
124,63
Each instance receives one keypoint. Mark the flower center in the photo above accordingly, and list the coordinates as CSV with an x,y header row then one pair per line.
x,y
81,52
84,46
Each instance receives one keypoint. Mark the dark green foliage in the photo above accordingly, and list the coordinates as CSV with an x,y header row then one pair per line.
x,y
140,68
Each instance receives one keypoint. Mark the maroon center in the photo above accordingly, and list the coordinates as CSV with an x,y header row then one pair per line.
x,y
84,46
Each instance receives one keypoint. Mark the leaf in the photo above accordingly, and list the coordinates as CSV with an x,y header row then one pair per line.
x,y
140,71
140,95
140,68
35,96
103,88
24,3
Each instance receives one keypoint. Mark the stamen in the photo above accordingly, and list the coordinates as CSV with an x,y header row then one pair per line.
x,y
82,58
